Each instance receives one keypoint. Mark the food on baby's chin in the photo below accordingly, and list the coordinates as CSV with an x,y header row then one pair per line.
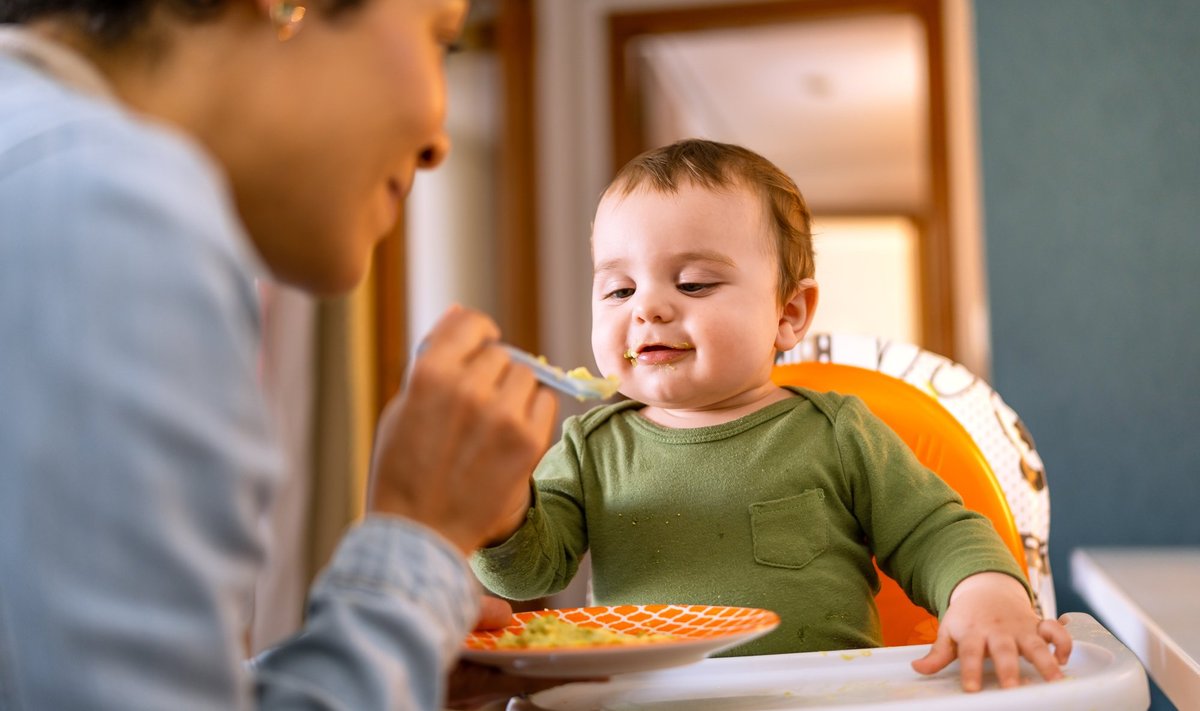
x,y
550,631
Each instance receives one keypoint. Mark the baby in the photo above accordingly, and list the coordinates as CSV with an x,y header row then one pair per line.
x,y
710,484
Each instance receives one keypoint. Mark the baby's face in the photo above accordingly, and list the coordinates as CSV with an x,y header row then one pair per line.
x,y
685,308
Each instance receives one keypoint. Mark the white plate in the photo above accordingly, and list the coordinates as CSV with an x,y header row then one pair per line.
x,y
696,630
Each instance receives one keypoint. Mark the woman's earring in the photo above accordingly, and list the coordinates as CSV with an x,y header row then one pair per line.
x,y
287,17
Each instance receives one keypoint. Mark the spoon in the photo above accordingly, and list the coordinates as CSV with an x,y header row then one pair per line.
x,y
578,383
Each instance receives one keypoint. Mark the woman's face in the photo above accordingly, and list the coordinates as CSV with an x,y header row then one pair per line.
x,y
337,121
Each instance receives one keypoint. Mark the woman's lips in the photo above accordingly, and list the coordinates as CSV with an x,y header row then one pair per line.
x,y
396,189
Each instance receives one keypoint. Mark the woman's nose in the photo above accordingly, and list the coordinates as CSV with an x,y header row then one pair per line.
x,y
433,154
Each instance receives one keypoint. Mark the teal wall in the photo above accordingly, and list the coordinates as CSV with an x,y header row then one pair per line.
x,y
1090,137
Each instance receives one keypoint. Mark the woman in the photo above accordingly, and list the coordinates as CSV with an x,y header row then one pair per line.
x,y
155,155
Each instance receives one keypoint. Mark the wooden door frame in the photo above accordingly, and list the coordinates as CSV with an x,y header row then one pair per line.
x,y
935,248
517,310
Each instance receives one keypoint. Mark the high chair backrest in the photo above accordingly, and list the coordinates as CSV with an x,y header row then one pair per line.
x,y
959,428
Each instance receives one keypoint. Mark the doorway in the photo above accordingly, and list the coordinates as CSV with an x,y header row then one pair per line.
x,y
848,98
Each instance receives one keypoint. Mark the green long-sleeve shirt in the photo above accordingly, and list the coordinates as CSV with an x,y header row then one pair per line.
x,y
781,509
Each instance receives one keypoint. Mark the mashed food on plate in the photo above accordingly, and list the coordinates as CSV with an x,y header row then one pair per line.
x,y
550,631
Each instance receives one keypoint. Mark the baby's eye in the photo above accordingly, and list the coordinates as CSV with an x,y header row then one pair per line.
x,y
619,293
694,287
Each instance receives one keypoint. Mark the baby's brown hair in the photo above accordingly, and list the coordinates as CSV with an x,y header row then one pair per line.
x,y
714,165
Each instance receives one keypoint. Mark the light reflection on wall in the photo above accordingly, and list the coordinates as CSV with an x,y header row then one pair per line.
x,y
867,272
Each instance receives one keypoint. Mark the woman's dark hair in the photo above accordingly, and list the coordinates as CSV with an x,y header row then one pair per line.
x,y
111,21
105,20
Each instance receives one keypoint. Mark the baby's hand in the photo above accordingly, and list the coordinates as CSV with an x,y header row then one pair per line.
x,y
990,616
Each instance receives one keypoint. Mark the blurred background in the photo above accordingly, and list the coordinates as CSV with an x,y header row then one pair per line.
x,y
1014,184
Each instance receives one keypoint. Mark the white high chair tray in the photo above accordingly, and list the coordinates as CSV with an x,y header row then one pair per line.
x,y
1101,674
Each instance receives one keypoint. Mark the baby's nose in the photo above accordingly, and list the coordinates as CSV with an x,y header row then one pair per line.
x,y
652,310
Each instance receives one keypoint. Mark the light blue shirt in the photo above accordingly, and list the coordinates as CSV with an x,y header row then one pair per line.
x,y
136,457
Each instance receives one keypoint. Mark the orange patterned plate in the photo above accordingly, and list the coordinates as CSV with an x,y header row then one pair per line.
x,y
696,631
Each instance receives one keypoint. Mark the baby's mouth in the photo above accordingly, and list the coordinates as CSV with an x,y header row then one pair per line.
x,y
657,353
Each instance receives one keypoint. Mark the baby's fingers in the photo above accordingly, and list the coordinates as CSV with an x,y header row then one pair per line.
x,y
494,613
1038,653
1054,633
970,664
940,654
1003,650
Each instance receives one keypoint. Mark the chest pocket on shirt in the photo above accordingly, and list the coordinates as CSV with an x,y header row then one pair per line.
x,y
790,532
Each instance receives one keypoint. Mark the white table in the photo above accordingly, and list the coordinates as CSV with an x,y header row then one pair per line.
x,y
1101,674
1150,599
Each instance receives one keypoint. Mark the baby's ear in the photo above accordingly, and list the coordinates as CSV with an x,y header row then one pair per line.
x,y
797,315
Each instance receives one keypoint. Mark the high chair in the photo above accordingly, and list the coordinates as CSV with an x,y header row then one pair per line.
x,y
959,428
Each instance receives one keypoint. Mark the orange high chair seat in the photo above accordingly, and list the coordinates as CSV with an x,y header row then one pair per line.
x,y
941,443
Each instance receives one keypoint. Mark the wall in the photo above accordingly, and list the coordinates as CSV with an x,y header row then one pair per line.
x,y
1091,167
